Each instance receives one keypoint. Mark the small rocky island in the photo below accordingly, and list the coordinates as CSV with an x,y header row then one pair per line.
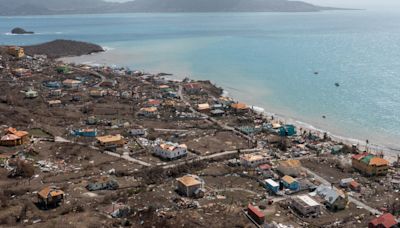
x,y
20,31
63,48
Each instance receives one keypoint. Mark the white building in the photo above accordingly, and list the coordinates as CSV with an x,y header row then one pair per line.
x,y
170,151
253,160
305,205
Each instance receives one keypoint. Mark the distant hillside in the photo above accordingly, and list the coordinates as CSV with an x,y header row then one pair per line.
x,y
44,7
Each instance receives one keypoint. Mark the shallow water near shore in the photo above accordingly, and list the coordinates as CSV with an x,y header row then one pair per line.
x,y
264,59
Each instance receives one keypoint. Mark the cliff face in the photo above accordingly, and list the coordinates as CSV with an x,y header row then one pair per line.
x,y
42,7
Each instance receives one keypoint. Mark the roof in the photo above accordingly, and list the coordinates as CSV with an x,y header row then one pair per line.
x,y
359,156
378,161
354,184
17,133
169,146
150,109
386,220
288,179
252,157
109,138
264,167
256,211
153,102
203,106
50,191
54,102
10,137
189,180
370,159
308,200
329,194
276,125
272,182
290,163
71,81
240,106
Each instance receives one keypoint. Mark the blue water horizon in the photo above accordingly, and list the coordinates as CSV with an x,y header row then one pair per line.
x,y
264,59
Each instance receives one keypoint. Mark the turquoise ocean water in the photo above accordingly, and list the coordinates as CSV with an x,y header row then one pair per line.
x,y
264,59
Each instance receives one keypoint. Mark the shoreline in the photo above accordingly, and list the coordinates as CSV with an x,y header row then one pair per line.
x,y
390,153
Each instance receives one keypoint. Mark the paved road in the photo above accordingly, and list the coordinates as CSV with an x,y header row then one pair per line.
x,y
208,157
351,199
170,130
128,158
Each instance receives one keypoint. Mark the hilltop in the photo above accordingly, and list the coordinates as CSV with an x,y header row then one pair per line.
x,y
63,48
44,7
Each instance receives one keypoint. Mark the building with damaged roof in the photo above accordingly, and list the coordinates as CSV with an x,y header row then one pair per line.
x,y
369,164
333,199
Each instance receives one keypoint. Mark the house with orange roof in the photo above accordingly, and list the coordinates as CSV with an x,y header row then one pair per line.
x,y
190,185
14,137
50,195
369,164
239,107
108,140
22,134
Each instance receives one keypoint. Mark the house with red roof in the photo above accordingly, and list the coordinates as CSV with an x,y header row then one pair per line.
x,y
369,164
256,214
384,221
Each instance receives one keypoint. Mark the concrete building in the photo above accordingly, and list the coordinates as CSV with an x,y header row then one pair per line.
x,y
14,137
369,164
85,132
345,183
137,132
290,183
204,108
31,93
108,140
239,107
15,51
54,103
151,112
272,185
50,196
97,92
253,160
305,205
70,83
170,151
190,186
